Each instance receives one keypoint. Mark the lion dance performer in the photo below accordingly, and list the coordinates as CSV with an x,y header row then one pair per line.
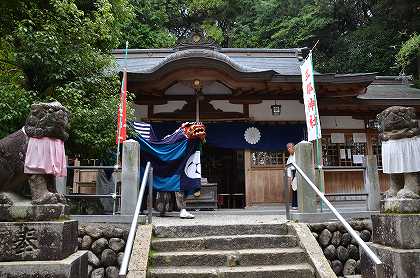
x,y
176,163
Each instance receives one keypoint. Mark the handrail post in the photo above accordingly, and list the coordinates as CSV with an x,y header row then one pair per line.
x,y
133,228
286,193
130,176
307,202
150,199
379,270
371,180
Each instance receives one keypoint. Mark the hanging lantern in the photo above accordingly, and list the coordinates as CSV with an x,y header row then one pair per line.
x,y
275,109
197,85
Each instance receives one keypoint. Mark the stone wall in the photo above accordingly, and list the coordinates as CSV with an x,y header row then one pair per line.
x,y
341,250
105,244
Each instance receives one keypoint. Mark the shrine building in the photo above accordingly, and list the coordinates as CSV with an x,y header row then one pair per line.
x,y
251,103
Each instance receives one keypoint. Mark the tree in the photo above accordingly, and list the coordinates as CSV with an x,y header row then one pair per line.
x,y
409,52
148,28
62,51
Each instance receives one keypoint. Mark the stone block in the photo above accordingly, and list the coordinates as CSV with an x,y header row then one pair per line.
x,y
401,263
396,230
37,241
25,211
130,176
74,266
396,205
371,180
307,202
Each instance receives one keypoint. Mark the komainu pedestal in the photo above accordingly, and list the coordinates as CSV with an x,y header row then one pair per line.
x,y
36,239
396,241
41,249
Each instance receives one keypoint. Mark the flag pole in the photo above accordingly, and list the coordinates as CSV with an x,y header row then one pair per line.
x,y
119,127
318,142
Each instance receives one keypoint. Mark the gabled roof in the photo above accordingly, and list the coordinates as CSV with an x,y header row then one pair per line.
x,y
391,88
272,65
252,73
281,61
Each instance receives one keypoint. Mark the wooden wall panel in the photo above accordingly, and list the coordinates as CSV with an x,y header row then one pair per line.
x,y
262,185
265,185
350,182
340,182
384,181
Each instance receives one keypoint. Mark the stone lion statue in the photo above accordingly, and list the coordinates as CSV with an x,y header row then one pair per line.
x,y
28,157
400,134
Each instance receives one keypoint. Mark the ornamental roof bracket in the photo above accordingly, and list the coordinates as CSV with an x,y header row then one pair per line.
x,y
196,39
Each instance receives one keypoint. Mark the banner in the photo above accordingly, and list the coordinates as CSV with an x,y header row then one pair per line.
x,y
242,136
122,111
309,98
175,160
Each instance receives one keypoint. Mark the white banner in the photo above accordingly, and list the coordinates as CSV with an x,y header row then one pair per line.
x,y
309,99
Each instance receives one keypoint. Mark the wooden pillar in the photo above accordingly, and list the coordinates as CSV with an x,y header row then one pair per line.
x,y
247,166
369,144
76,177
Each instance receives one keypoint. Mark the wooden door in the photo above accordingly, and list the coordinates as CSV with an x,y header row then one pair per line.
x,y
263,184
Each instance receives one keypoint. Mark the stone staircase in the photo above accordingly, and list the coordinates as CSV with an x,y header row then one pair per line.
x,y
228,251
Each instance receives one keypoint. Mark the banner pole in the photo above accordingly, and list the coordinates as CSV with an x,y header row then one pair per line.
x,y
314,118
120,111
318,142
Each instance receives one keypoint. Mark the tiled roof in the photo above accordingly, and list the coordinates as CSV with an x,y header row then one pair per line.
x,y
282,61
390,88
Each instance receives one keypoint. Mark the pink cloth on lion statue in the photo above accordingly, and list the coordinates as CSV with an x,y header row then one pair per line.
x,y
45,156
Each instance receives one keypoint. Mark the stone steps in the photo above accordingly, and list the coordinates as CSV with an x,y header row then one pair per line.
x,y
283,271
224,242
181,231
228,251
243,257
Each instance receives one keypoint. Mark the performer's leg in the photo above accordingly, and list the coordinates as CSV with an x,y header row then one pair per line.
x,y
180,201
162,202
294,199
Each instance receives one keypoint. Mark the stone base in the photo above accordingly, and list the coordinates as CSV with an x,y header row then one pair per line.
x,y
37,241
74,266
395,205
328,216
25,211
396,230
401,263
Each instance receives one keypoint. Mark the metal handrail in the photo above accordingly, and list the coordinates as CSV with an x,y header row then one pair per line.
x,y
345,194
113,195
92,167
340,167
81,195
352,232
148,176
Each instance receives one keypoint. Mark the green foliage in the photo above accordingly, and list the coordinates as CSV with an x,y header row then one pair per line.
x,y
15,100
61,49
62,52
213,31
148,27
410,50
291,31
354,53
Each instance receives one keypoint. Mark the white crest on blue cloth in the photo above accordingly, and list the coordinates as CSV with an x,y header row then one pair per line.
x,y
193,166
